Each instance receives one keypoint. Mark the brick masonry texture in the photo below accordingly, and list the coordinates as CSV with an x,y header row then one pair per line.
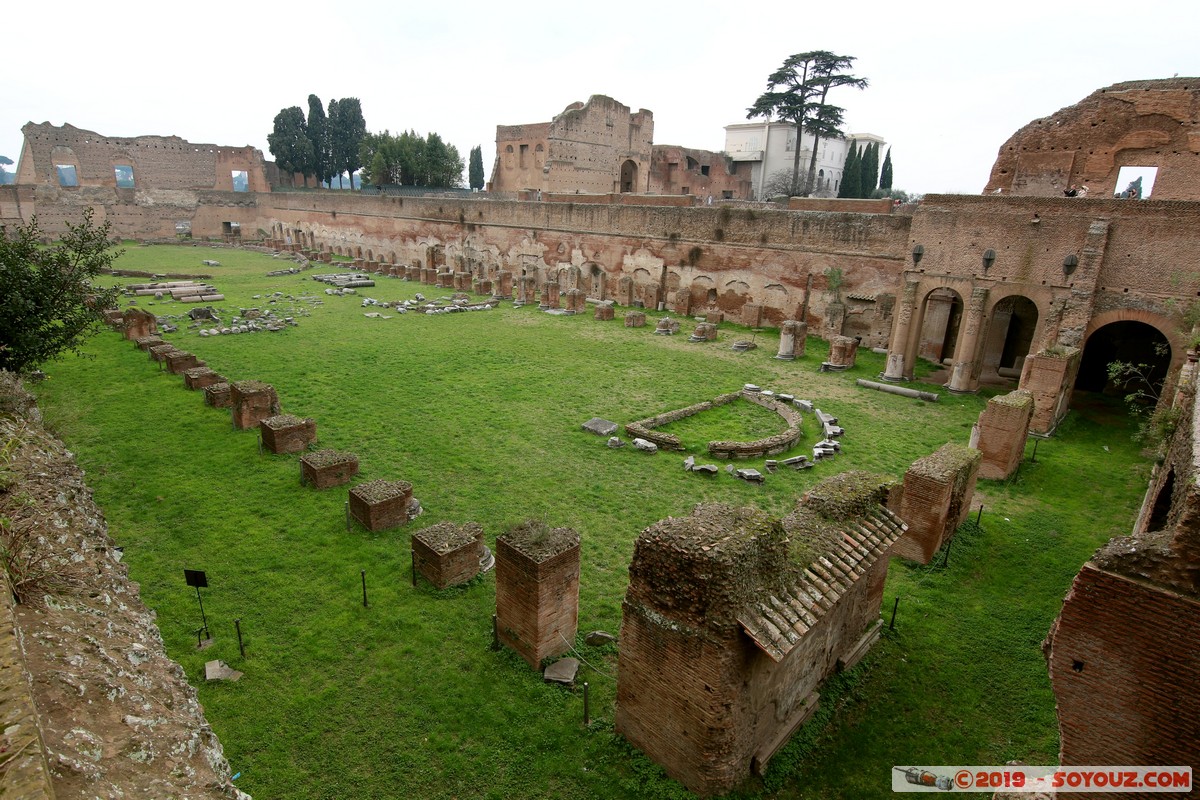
x,y
537,598
723,645
447,554
325,468
1002,431
937,497
1124,661
251,402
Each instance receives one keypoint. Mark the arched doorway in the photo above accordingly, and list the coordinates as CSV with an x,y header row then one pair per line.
x,y
1010,337
629,174
1130,342
941,316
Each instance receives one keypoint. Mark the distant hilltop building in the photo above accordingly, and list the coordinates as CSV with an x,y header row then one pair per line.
x,y
601,147
765,149
594,147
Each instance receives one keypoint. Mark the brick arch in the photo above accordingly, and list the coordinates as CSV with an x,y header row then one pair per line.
x,y
1157,321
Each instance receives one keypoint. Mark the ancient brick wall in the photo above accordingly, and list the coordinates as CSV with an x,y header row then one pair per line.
x,y
159,162
585,149
723,648
676,170
520,157
1002,431
937,498
1138,123
1124,661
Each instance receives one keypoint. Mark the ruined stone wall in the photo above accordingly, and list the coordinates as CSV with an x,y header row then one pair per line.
x,y
1138,123
158,162
585,149
1124,661
520,157
702,173
720,257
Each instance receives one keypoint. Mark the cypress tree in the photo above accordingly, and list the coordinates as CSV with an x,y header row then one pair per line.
x,y
851,173
885,174
870,169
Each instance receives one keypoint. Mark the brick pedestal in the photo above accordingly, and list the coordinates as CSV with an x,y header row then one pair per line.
x,y
144,343
181,361
326,468
380,505
1049,376
843,351
604,312
160,352
251,402
285,433
447,554
537,590
635,319
201,377
217,395
138,322
1001,433
937,498
576,302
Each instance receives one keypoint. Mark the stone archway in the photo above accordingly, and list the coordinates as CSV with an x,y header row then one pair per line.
x,y
941,315
629,176
1130,341
1012,333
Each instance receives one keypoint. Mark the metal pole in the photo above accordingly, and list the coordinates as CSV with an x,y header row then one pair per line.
x,y
495,633
1033,458
347,516
237,623
413,556
946,560
892,625
979,516
364,582
587,716
202,615
199,641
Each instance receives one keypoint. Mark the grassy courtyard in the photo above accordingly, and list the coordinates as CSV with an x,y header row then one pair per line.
x,y
481,412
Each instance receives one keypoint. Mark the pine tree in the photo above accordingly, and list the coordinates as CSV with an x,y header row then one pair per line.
x,y
885,174
870,169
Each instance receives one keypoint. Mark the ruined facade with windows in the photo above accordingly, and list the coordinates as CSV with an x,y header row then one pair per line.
x,y
595,147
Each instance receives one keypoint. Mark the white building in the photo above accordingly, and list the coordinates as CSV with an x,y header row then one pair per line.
x,y
770,147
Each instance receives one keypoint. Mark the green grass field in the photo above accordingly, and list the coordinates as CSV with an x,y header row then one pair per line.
x,y
481,412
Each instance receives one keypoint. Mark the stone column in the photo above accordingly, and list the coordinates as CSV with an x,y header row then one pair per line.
x,y
962,378
787,341
898,356
504,284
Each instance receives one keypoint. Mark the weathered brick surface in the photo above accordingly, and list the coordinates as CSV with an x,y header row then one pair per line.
x,y
146,342
217,395
1124,661
326,468
285,433
1049,377
201,377
604,312
251,402
137,323
937,498
380,505
721,652
447,554
1148,123
181,361
1002,431
537,596
635,319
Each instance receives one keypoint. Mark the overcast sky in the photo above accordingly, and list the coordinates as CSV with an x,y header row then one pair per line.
x,y
949,81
